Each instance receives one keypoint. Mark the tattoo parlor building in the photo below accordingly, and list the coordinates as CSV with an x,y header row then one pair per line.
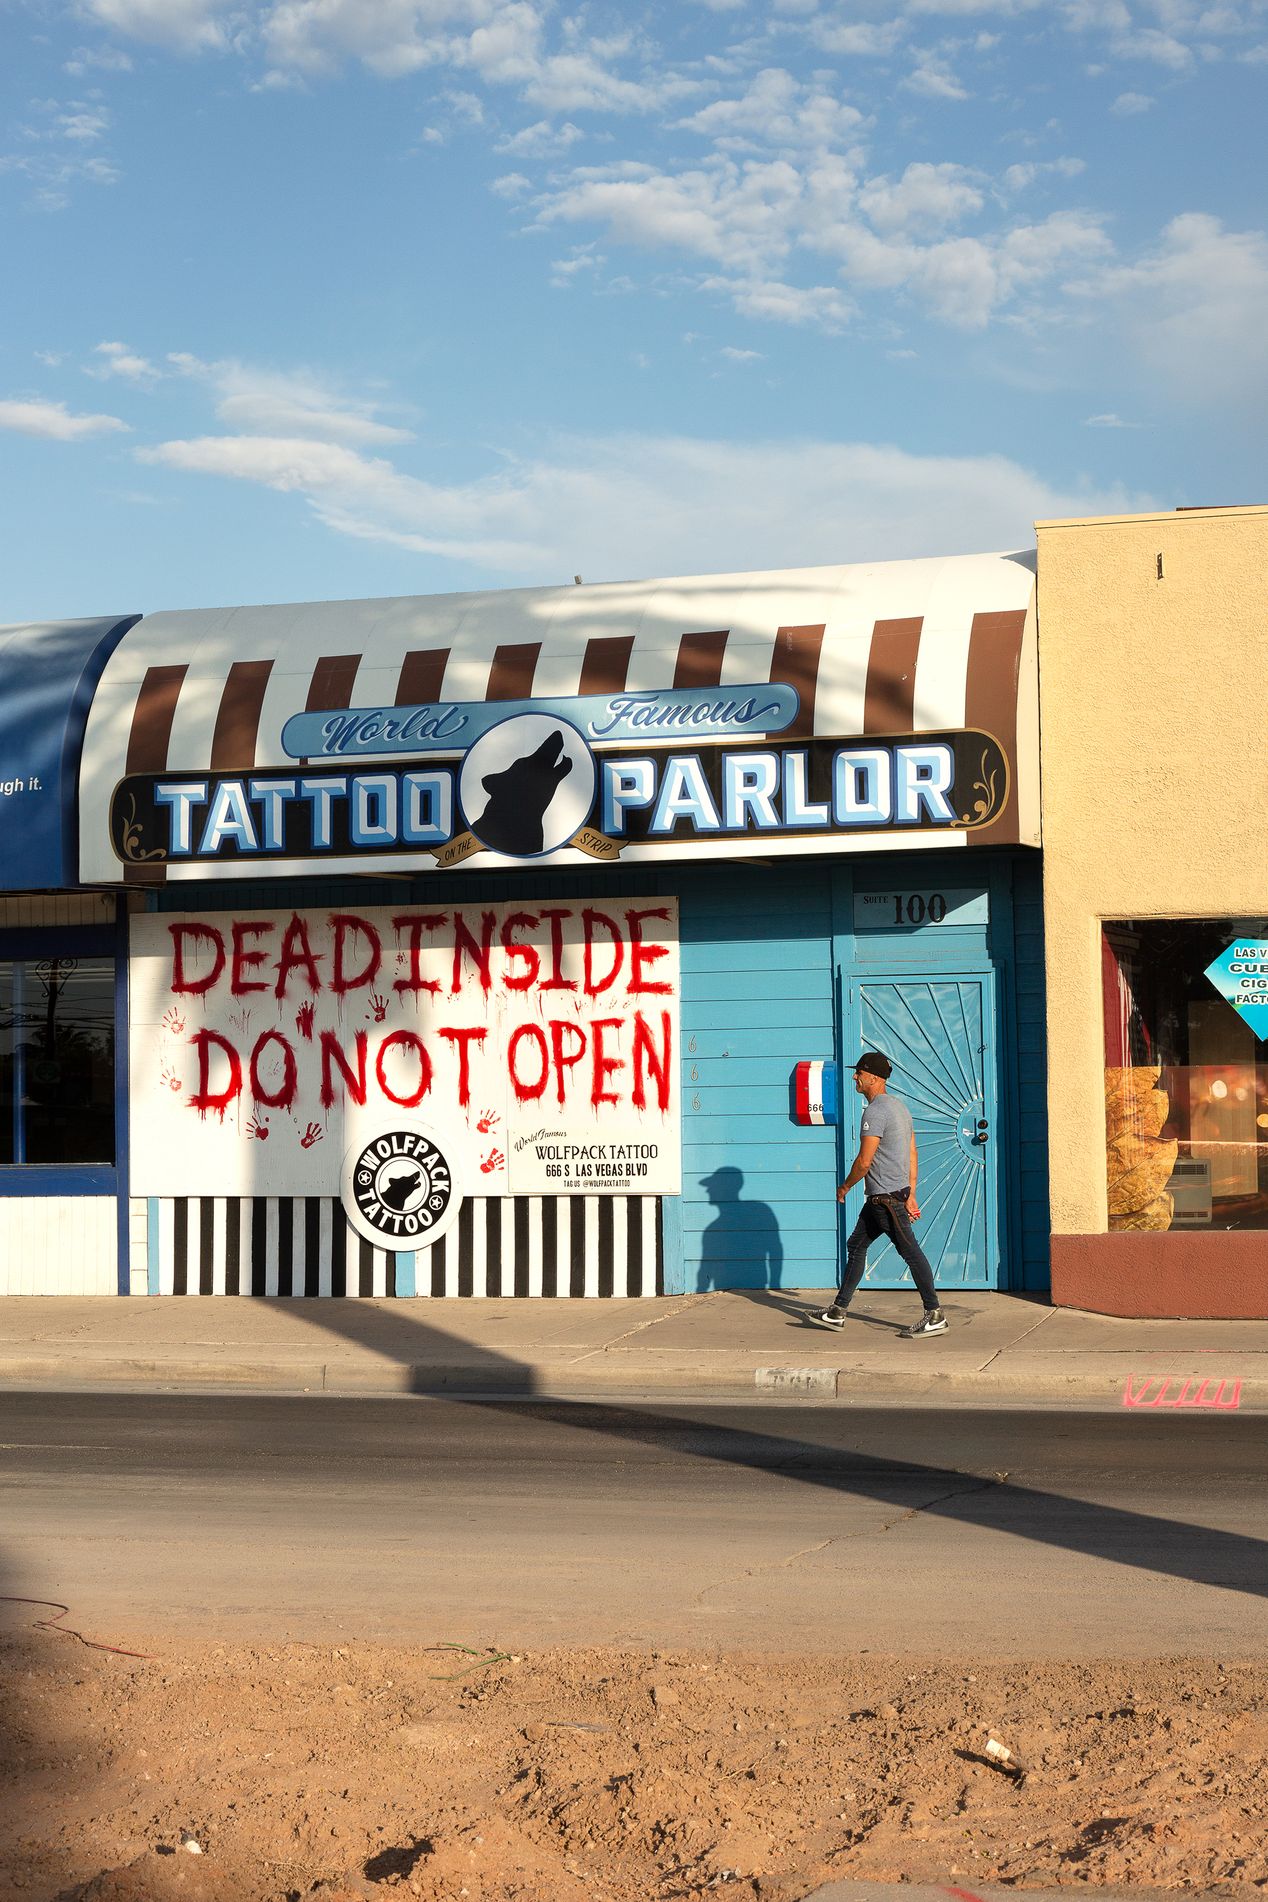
x,y
492,943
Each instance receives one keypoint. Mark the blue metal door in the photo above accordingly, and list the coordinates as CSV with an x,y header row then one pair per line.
x,y
939,1034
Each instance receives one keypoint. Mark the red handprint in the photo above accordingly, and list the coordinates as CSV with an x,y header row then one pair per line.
x,y
492,1161
174,1022
304,1021
487,1121
313,1134
379,1007
258,1127
170,1079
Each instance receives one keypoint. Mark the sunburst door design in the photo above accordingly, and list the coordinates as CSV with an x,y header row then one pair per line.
x,y
939,1035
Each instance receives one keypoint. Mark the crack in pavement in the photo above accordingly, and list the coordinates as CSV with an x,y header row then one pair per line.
x,y
1023,1336
653,1320
847,1538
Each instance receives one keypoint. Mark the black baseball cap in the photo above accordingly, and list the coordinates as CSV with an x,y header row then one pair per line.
x,y
875,1064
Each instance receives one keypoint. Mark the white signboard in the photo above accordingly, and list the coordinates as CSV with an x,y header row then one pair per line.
x,y
538,1043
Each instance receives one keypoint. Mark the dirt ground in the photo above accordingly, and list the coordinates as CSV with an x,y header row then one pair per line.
x,y
610,1776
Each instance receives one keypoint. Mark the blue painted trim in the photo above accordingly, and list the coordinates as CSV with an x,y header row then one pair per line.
x,y
844,1029
41,1179
54,941
122,1146
1003,949
406,1264
673,1257
152,1282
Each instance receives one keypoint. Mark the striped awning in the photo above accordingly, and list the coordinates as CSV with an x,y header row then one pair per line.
x,y
884,649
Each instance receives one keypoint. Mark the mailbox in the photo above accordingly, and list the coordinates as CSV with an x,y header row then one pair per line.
x,y
816,1092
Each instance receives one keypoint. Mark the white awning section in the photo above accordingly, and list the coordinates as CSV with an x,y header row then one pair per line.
x,y
900,648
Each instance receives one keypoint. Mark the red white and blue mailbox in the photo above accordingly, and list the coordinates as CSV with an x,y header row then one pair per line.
x,y
816,1093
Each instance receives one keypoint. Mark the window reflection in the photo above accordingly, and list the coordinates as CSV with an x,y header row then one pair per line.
x,y
56,1061
1186,1081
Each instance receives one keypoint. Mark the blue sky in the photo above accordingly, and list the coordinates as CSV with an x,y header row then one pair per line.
x,y
321,298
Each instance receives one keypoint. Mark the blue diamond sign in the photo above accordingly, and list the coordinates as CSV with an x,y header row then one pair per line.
x,y
1240,975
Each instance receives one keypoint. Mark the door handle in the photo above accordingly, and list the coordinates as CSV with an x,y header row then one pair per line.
x,y
983,1130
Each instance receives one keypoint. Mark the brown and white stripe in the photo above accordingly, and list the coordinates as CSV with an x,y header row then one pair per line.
x,y
206,691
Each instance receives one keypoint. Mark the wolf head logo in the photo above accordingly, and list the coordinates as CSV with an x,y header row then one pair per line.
x,y
398,1191
519,797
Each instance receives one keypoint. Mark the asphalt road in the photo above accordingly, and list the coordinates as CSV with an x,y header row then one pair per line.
x,y
761,1526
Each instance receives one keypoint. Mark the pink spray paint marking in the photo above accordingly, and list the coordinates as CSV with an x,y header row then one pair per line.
x,y
1226,1396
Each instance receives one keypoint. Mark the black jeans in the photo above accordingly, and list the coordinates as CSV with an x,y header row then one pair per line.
x,y
883,1218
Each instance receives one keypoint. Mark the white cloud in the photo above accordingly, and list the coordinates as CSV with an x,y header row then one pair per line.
x,y
502,42
778,111
564,272
118,360
466,107
857,39
820,306
1195,308
966,281
184,26
54,421
735,215
925,198
933,79
751,220
1129,105
733,355
83,124
541,140
629,505
511,185
275,403
52,178
1019,178
1161,49
1108,420
102,59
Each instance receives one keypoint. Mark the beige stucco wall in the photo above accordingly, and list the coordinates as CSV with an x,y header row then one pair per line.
x,y
1154,757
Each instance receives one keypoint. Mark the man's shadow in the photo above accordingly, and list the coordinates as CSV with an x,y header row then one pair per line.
x,y
741,1248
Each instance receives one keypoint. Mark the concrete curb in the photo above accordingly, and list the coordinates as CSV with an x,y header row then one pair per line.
x,y
594,1375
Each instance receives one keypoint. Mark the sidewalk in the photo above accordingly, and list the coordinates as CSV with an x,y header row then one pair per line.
x,y
1000,1349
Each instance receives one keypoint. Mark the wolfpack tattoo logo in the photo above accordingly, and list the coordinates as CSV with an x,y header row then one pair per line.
x,y
399,1189
527,786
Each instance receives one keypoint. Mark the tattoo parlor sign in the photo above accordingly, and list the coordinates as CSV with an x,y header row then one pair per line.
x,y
533,1046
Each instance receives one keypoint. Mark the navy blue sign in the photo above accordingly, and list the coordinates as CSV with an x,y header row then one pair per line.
x,y
48,671
532,787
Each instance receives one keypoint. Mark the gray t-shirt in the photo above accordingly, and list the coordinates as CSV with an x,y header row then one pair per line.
x,y
889,1119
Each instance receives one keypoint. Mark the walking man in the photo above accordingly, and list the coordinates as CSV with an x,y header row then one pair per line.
x,y
887,1161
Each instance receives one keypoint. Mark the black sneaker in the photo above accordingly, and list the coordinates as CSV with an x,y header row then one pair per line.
x,y
932,1321
830,1317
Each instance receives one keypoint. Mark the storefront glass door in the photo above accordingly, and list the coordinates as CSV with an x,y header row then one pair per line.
x,y
939,1033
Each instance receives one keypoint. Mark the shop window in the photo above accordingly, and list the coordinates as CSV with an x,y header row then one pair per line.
x,y
56,1062
1186,1073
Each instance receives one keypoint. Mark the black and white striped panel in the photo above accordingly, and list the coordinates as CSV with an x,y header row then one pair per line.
x,y
525,1245
548,1245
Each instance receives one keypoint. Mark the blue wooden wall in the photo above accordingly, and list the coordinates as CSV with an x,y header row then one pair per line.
x,y
757,995
759,992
